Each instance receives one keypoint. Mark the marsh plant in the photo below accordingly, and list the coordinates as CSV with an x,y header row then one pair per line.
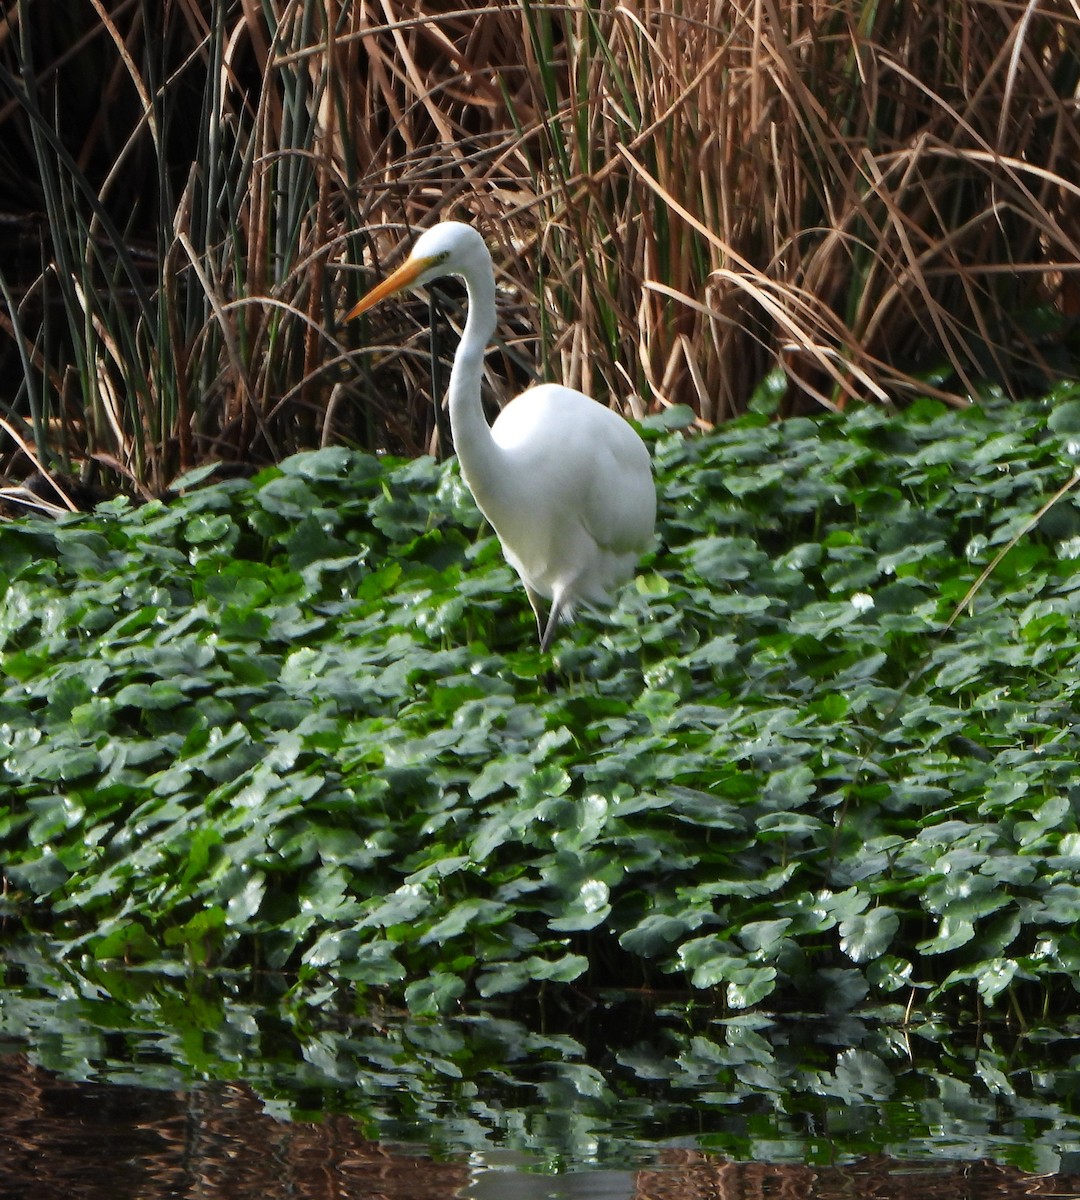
x,y
875,201
816,757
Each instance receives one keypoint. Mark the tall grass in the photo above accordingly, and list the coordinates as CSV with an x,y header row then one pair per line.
x,y
183,309
690,202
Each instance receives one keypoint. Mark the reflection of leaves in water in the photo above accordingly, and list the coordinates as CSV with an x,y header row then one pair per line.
x,y
609,1086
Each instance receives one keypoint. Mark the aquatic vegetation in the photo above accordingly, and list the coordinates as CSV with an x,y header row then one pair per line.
x,y
298,723
618,1081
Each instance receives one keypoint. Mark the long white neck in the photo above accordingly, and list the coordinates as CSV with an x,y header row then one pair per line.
x,y
476,448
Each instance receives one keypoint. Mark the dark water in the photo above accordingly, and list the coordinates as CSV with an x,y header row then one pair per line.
x,y
136,1084
68,1139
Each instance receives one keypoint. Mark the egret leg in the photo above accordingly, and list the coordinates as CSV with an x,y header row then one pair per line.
x,y
538,610
552,624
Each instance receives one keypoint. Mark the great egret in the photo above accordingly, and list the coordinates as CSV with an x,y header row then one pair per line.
x,y
566,483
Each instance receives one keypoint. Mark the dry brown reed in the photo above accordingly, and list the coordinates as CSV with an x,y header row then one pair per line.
x,y
879,200
690,202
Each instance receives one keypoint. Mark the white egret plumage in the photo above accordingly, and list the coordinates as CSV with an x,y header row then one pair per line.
x,y
565,482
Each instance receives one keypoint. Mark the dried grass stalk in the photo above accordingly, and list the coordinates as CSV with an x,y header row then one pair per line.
x,y
688,200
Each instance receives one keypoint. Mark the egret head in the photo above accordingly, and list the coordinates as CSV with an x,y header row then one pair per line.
x,y
449,248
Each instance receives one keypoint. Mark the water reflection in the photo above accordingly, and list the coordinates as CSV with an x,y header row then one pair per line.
x,y
72,1140
69,1139
116,1082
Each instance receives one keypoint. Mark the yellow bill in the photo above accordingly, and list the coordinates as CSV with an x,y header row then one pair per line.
x,y
405,276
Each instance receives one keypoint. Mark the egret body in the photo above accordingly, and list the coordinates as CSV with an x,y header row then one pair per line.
x,y
566,483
